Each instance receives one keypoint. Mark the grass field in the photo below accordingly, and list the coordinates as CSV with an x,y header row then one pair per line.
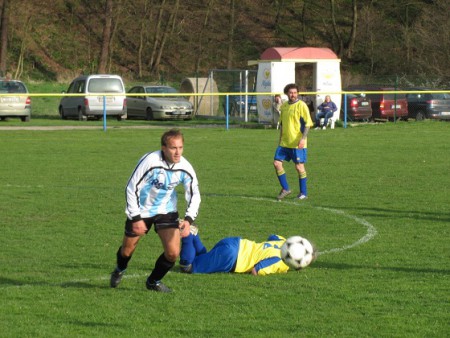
x,y
378,212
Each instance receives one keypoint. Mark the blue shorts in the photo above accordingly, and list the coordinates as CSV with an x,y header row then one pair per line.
x,y
221,258
294,154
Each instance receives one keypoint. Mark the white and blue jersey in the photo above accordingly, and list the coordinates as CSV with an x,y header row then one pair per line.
x,y
151,188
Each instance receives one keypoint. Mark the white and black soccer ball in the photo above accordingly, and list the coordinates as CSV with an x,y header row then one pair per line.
x,y
297,252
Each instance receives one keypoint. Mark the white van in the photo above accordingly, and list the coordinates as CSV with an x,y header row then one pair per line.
x,y
92,89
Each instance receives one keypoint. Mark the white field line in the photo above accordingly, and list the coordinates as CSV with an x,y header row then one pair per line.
x,y
371,232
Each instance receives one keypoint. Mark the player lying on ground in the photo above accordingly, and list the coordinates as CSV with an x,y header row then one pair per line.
x,y
232,254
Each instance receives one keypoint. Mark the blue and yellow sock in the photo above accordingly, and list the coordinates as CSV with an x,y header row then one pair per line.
x,y
302,182
283,180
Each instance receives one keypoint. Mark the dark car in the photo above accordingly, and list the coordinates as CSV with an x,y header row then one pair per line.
x,y
237,102
387,103
423,104
359,107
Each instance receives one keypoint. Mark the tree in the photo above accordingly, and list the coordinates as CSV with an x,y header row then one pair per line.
x,y
4,35
106,37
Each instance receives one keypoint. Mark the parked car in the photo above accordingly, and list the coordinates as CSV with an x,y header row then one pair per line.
x,y
13,105
94,88
385,106
426,105
158,107
359,107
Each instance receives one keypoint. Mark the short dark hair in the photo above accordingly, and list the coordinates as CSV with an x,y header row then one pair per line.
x,y
172,133
289,87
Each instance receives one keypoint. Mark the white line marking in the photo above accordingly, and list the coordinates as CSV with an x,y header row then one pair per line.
x,y
371,231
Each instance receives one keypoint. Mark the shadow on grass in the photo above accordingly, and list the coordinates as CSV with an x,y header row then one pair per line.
x,y
345,266
4,282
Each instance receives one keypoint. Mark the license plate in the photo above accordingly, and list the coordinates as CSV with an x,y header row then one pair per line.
x,y
398,106
364,103
178,113
109,99
10,99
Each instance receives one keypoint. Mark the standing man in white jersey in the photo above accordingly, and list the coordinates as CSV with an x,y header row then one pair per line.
x,y
152,200
295,122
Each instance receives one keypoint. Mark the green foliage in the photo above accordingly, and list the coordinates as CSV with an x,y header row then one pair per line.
x,y
62,220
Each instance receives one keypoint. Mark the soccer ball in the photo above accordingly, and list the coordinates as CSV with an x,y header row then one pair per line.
x,y
297,252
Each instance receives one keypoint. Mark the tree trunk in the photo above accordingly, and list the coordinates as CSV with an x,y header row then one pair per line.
x,y
170,27
352,38
106,38
337,36
231,35
142,36
4,36
156,36
201,39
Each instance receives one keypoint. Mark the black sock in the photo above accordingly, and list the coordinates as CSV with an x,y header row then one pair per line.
x,y
122,262
162,266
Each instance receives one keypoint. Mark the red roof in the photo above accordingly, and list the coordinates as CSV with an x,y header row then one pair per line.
x,y
296,53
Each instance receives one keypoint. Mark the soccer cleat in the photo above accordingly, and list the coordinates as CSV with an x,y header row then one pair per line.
x,y
116,277
283,193
302,197
193,229
317,128
186,268
157,286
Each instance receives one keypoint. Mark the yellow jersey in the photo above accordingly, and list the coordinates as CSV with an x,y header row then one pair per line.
x,y
265,257
294,118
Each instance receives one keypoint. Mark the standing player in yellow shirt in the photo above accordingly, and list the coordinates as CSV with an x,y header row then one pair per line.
x,y
295,122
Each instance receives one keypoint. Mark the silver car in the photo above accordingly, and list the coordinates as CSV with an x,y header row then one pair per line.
x,y
11,104
159,107
86,96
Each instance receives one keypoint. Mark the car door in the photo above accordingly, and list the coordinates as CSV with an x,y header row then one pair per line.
x,y
135,103
71,103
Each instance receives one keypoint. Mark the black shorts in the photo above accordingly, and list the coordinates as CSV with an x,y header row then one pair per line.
x,y
165,221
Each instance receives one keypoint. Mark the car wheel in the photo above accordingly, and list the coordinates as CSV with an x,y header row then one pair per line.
x,y
25,118
420,116
81,117
149,114
62,114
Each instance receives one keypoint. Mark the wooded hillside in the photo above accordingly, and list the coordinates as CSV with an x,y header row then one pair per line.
x,y
149,39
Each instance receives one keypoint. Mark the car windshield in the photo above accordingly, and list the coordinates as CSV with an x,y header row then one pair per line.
x,y
105,85
160,90
12,87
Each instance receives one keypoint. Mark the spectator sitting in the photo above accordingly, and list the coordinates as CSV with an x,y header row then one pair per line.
x,y
325,111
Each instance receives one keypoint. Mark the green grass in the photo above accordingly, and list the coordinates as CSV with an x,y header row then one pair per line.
x,y
62,215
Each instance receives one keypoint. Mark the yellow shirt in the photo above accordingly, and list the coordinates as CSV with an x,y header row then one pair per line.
x,y
265,257
294,119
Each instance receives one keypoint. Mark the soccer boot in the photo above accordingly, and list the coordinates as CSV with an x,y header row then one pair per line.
x,y
116,277
283,193
157,286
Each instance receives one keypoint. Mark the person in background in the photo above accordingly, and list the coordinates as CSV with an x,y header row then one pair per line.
x,y
295,122
151,199
277,102
307,99
325,110
232,254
